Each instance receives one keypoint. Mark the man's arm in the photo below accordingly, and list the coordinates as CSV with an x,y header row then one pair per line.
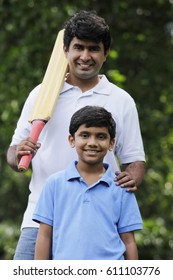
x,y
131,176
11,157
43,247
14,153
131,252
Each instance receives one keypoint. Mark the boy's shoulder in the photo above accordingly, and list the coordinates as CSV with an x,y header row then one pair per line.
x,y
65,174
57,175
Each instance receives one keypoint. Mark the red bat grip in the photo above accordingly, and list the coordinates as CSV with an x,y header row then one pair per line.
x,y
37,127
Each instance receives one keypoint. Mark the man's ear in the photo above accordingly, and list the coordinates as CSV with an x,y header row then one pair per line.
x,y
65,50
107,53
111,145
71,140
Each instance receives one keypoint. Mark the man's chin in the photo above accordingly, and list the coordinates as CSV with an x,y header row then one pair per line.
x,y
85,75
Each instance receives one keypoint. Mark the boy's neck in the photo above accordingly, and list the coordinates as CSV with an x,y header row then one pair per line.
x,y
90,173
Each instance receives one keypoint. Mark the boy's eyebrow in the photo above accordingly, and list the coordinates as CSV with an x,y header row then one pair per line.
x,y
97,133
84,131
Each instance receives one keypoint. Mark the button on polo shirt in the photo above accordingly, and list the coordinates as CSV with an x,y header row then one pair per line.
x,y
87,220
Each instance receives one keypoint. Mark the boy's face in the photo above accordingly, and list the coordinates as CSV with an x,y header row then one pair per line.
x,y
91,143
85,58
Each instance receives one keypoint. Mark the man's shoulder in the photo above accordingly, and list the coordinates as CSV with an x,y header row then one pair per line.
x,y
33,95
114,90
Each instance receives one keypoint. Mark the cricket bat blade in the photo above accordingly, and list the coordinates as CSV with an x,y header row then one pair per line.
x,y
47,97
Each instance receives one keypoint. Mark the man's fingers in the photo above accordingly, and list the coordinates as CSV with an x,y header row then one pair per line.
x,y
125,180
128,183
133,189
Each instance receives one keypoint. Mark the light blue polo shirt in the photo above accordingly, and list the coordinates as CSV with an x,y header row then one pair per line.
x,y
87,220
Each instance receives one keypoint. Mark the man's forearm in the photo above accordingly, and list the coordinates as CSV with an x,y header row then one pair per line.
x,y
11,158
136,170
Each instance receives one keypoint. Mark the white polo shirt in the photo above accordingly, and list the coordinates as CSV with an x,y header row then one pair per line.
x,y
55,153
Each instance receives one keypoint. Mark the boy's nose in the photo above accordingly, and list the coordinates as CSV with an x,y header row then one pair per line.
x,y
92,141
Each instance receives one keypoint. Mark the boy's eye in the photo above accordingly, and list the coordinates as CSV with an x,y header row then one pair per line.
x,y
84,135
101,137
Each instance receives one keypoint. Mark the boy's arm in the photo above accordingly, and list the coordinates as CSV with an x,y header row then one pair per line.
x,y
43,243
131,252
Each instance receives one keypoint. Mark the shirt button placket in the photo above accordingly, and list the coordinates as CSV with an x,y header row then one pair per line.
x,y
86,196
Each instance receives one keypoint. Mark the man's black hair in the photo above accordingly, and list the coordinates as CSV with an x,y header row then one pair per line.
x,y
87,25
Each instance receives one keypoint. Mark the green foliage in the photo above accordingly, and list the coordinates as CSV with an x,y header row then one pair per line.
x,y
140,61
9,234
155,241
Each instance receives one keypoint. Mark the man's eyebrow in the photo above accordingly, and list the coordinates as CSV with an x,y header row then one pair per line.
x,y
89,46
77,44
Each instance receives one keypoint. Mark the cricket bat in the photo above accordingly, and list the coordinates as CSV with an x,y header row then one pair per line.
x,y
47,97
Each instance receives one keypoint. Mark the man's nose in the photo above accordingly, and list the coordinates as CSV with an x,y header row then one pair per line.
x,y
85,55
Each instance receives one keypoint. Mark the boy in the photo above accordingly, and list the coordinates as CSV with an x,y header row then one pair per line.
x,y
82,214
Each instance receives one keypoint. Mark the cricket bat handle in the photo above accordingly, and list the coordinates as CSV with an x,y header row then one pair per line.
x,y
37,126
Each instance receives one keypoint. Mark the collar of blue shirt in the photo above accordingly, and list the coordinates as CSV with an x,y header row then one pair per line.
x,y
72,173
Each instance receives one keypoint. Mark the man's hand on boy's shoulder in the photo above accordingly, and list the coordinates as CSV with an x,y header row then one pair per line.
x,y
125,180
131,176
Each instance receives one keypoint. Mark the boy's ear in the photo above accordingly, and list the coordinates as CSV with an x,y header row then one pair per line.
x,y
71,141
111,145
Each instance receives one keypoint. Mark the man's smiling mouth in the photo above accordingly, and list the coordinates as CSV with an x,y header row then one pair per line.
x,y
85,66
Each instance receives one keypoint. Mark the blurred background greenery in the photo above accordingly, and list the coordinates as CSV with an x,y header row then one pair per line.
x,y
140,61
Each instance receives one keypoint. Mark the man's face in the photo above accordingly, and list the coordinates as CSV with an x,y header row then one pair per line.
x,y
85,58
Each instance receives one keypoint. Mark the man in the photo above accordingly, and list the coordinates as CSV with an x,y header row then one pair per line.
x,y
86,45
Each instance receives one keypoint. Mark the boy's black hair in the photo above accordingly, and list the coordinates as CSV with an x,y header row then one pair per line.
x,y
86,25
92,116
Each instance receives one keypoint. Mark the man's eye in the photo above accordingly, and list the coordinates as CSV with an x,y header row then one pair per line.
x,y
95,49
77,47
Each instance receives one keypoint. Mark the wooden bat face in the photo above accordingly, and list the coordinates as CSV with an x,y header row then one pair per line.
x,y
48,95
52,82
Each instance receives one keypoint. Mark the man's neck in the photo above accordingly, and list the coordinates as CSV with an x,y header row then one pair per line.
x,y
83,84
